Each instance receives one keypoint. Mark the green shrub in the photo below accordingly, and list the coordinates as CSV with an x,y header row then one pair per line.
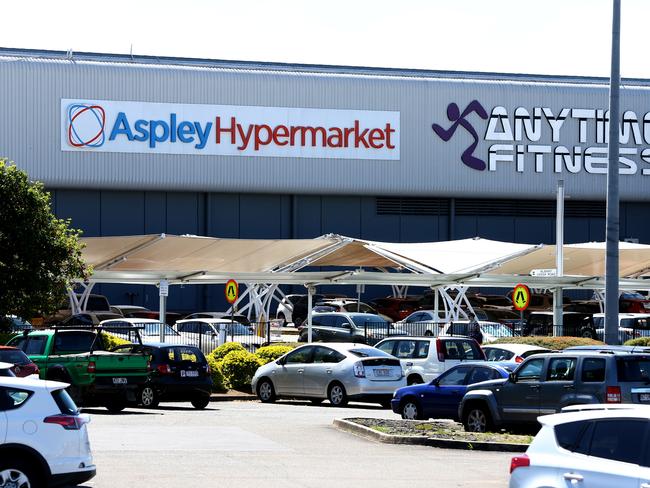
x,y
5,337
271,353
220,352
238,368
556,343
218,381
110,341
640,341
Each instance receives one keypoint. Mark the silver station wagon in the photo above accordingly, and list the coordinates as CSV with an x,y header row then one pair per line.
x,y
338,372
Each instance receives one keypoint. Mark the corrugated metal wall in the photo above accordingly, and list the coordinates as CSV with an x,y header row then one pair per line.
x,y
32,87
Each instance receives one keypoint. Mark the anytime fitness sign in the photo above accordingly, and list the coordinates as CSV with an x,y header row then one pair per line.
x,y
139,127
541,139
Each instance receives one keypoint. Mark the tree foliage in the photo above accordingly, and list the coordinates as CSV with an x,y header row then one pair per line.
x,y
40,255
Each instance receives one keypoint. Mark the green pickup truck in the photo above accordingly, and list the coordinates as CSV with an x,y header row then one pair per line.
x,y
96,377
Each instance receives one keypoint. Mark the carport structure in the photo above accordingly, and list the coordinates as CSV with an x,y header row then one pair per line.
x,y
262,265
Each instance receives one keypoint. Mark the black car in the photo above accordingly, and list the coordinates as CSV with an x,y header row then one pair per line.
x,y
178,374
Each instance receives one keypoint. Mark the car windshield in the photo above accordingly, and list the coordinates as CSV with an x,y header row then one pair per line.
x,y
371,322
632,296
366,352
238,329
497,330
13,356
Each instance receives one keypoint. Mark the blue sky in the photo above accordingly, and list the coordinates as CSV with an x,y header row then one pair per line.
x,y
563,37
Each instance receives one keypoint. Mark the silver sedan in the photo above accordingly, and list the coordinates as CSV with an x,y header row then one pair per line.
x,y
336,372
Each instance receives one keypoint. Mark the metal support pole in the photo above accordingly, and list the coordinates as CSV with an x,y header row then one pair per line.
x,y
612,237
558,318
163,290
310,292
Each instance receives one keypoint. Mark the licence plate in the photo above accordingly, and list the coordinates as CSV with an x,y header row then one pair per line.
x,y
382,372
190,374
644,397
120,381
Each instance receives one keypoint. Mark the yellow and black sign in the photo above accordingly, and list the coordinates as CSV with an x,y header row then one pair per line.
x,y
521,297
232,291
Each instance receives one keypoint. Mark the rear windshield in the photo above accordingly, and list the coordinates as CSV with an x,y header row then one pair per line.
x,y
365,352
65,403
464,350
73,342
634,369
97,304
184,354
13,356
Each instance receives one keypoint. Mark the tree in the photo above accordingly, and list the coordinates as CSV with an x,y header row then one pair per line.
x,y
40,255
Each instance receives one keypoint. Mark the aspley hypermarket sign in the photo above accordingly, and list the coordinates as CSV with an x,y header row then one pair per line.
x,y
142,127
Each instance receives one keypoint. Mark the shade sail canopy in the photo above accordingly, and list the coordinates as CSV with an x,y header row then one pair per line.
x,y
149,259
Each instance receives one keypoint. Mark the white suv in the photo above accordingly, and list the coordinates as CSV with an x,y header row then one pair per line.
x,y
599,446
43,438
425,358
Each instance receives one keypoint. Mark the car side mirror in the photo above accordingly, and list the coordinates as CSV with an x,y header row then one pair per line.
x,y
512,377
281,361
435,382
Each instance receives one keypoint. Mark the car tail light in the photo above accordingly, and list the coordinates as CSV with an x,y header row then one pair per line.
x,y
613,394
522,461
92,367
149,365
36,370
359,370
164,369
441,351
68,422
519,359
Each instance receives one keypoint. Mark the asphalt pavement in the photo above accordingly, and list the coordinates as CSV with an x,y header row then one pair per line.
x,y
288,444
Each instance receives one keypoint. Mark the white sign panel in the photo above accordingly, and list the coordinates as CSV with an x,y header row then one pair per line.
x,y
140,127
547,272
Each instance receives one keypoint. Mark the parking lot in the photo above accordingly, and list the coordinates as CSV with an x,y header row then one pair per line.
x,y
288,444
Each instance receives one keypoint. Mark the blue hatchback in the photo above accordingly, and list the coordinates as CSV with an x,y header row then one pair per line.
x,y
441,397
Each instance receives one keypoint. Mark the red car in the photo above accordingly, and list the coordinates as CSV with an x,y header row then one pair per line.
x,y
23,366
396,308
633,302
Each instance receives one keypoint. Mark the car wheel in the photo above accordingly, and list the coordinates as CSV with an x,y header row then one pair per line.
x,y
337,395
265,391
411,410
19,473
477,419
414,379
428,333
588,333
201,402
116,406
148,397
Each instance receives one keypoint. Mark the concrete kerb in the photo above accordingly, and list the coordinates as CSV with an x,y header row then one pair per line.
x,y
368,433
232,397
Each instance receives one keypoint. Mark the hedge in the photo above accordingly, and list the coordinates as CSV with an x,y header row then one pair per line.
x,y
271,353
640,341
220,352
556,343
218,381
110,341
238,368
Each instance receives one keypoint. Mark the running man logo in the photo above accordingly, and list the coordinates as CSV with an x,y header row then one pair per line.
x,y
232,291
454,115
521,297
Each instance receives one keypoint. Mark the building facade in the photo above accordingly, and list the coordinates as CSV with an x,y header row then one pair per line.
x,y
261,150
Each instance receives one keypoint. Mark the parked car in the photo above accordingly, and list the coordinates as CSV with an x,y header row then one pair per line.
x,y
440,398
87,319
293,308
397,308
574,324
178,374
170,317
630,325
425,358
350,305
143,330
336,372
490,330
126,310
13,323
545,383
78,357
22,366
364,328
592,446
43,437
421,323
242,319
94,303
503,316
205,333
633,302
512,352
